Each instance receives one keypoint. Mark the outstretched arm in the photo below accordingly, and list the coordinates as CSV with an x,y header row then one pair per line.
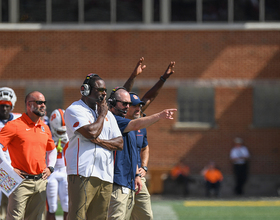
x,y
153,92
145,122
138,70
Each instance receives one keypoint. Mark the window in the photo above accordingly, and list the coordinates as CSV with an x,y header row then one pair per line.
x,y
215,10
129,11
65,11
196,106
97,11
272,10
183,10
266,107
53,96
32,11
246,10
4,11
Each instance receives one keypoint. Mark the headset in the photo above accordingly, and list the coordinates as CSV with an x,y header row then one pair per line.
x,y
112,100
85,88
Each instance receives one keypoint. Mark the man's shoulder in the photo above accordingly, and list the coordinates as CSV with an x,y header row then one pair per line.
x,y
15,115
74,107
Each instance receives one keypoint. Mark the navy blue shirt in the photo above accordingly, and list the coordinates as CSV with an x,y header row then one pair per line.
x,y
126,160
142,142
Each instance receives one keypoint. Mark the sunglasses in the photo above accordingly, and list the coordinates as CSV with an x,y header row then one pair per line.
x,y
39,102
101,89
124,103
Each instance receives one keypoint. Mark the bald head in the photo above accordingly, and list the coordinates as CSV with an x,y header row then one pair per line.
x,y
33,95
122,94
121,106
35,105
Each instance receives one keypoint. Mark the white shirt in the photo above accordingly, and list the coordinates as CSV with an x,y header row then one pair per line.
x,y
82,156
239,153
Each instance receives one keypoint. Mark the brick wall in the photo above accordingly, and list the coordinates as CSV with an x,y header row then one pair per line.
x,y
200,55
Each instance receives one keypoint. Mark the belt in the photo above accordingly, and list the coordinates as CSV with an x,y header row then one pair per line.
x,y
33,177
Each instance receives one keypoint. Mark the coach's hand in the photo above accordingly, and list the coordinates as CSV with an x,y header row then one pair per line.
x,y
46,173
20,173
138,184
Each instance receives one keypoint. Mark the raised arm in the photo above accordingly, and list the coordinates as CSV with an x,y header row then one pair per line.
x,y
153,92
145,122
137,71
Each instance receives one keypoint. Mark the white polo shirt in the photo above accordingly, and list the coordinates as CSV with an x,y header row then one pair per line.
x,y
82,156
239,153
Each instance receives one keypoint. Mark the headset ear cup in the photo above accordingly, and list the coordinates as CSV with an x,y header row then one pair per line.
x,y
85,90
112,101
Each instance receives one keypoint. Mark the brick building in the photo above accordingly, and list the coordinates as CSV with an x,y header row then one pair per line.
x,y
234,70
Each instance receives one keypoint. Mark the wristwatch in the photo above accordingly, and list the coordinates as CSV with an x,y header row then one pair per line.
x,y
145,168
138,174
51,169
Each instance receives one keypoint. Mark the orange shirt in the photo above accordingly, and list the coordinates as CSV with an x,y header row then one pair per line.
x,y
213,175
27,144
180,170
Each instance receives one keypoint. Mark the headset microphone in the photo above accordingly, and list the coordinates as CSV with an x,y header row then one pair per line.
x,y
120,110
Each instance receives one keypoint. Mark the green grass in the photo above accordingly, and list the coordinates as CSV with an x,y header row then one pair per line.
x,y
177,210
251,209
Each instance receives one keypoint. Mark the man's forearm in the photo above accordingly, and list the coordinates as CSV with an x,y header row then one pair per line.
x,y
145,156
151,94
112,144
129,83
92,131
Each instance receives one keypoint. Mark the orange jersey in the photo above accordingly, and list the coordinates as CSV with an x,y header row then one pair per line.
x,y
213,175
27,144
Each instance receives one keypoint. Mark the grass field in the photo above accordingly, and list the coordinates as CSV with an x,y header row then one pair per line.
x,y
252,209
195,209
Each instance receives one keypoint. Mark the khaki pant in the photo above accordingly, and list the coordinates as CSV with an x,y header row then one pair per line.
x,y
3,207
28,201
121,203
142,209
88,198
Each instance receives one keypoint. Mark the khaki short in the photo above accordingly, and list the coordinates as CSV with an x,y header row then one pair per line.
x,y
29,196
121,204
142,209
89,197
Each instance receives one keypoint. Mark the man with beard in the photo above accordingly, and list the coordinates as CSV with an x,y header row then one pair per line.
x,y
127,178
29,140
143,208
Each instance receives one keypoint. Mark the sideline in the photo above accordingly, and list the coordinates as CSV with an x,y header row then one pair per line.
x,y
231,203
163,212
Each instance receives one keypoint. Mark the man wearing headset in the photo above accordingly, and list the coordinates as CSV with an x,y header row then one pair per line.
x,y
127,177
142,208
93,136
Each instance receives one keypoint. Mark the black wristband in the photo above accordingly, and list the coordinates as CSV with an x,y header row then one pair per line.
x,y
138,174
162,79
145,168
51,169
